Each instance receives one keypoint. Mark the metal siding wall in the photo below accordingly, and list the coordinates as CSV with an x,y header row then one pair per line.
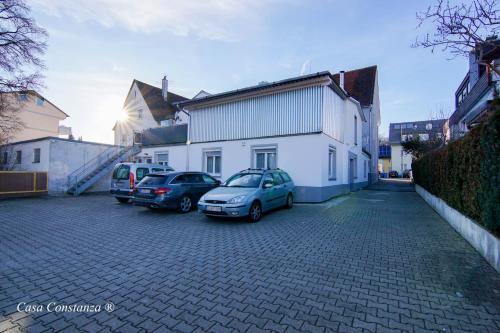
x,y
290,112
333,114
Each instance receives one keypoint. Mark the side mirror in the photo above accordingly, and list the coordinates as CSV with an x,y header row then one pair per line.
x,y
217,182
267,184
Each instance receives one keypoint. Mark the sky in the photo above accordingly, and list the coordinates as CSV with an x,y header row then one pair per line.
x,y
97,47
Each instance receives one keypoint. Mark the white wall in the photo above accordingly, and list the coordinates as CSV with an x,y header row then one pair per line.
x,y
27,151
396,159
124,129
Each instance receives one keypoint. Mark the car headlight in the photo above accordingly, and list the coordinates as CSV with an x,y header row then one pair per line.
x,y
202,199
238,199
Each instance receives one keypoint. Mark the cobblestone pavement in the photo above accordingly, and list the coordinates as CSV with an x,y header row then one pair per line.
x,y
372,261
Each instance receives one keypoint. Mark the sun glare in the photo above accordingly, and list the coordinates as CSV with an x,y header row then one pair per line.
x,y
122,115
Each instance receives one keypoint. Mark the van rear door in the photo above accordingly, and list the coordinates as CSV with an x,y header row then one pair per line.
x,y
121,176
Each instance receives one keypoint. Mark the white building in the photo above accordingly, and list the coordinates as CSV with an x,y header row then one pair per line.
x,y
308,126
145,107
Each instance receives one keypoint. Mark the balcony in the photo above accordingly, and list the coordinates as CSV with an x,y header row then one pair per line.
x,y
481,86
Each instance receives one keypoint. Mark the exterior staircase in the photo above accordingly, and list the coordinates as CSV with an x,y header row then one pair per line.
x,y
87,175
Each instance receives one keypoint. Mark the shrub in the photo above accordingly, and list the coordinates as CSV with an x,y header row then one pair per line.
x,y
466,173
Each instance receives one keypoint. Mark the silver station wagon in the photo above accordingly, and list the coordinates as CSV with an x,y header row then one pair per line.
x,y
249,193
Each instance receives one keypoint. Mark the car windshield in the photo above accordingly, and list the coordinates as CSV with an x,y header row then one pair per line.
x,y
244,180
152,180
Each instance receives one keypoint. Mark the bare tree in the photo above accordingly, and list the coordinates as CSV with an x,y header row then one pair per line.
x,y
459,28
22,45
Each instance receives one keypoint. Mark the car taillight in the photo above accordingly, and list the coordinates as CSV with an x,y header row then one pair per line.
x,y
131,177
162,190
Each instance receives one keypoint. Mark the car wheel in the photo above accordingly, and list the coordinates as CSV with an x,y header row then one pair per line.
x,y
123,200
185,204
255,212
289,201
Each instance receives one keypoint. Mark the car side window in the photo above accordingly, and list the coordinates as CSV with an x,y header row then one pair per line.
x,y
179,179
141,172
194,178
158,170
277,180
208,180
286,177
268,178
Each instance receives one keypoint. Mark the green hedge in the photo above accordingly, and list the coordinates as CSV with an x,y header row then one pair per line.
x,y
466,173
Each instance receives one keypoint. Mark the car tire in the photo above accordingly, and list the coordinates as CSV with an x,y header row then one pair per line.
x,y
122,200
255,212
185,204
289,201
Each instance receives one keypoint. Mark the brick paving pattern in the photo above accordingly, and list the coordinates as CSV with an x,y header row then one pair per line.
x,y
373,261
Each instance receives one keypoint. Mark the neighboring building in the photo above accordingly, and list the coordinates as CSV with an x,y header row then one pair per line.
x,y
62,158
384,159
307,125
362,84
400,132
39,117
478,88
146,107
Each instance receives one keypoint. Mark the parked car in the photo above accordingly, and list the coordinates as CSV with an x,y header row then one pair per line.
x,y
407,174
393,174
127,175
249,193
173,190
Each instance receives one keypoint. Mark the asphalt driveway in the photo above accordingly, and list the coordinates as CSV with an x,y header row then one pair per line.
x,y
376,261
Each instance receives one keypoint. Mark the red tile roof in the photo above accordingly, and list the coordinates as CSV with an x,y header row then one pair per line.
x,y
359,83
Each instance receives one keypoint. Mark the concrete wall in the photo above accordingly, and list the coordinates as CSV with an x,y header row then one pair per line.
x,y
67,156
484,242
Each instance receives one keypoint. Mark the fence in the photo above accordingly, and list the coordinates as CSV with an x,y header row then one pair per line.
x,y
23,183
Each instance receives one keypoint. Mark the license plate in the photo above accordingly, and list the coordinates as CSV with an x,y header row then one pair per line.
x,y
144,191
214,209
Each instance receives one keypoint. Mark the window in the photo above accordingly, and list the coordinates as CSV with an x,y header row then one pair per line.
x,y
423,136
285,176
39,101
208,179
122,171
5,158
179,179
194,178
139,114
36,155
428,126
153,180
213,162
248,180
332,163
364,168
157,169
19,155
162,158
140,173
149,160
277,180
355,130
23,97
265,158
397,126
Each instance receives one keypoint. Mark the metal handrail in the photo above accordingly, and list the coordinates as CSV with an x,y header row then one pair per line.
x,y
106,156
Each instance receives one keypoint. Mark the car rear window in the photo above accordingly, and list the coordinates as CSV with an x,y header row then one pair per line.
x,y
121,172
152,180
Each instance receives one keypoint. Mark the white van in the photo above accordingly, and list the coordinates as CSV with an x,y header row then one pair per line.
x,y
127,175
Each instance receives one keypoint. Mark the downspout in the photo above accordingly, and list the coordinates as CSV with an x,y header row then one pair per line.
x,y
188,142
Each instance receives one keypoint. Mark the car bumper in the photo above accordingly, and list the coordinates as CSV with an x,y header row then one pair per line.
x,y
225,209
169,203
119,193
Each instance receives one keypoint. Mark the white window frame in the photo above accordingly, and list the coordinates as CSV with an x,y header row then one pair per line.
x,y
332,163
35,160
162,162
212,153
267,150
140,114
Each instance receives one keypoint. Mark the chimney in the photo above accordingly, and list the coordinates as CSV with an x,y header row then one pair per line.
x,y
473,69
164,88
341,79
